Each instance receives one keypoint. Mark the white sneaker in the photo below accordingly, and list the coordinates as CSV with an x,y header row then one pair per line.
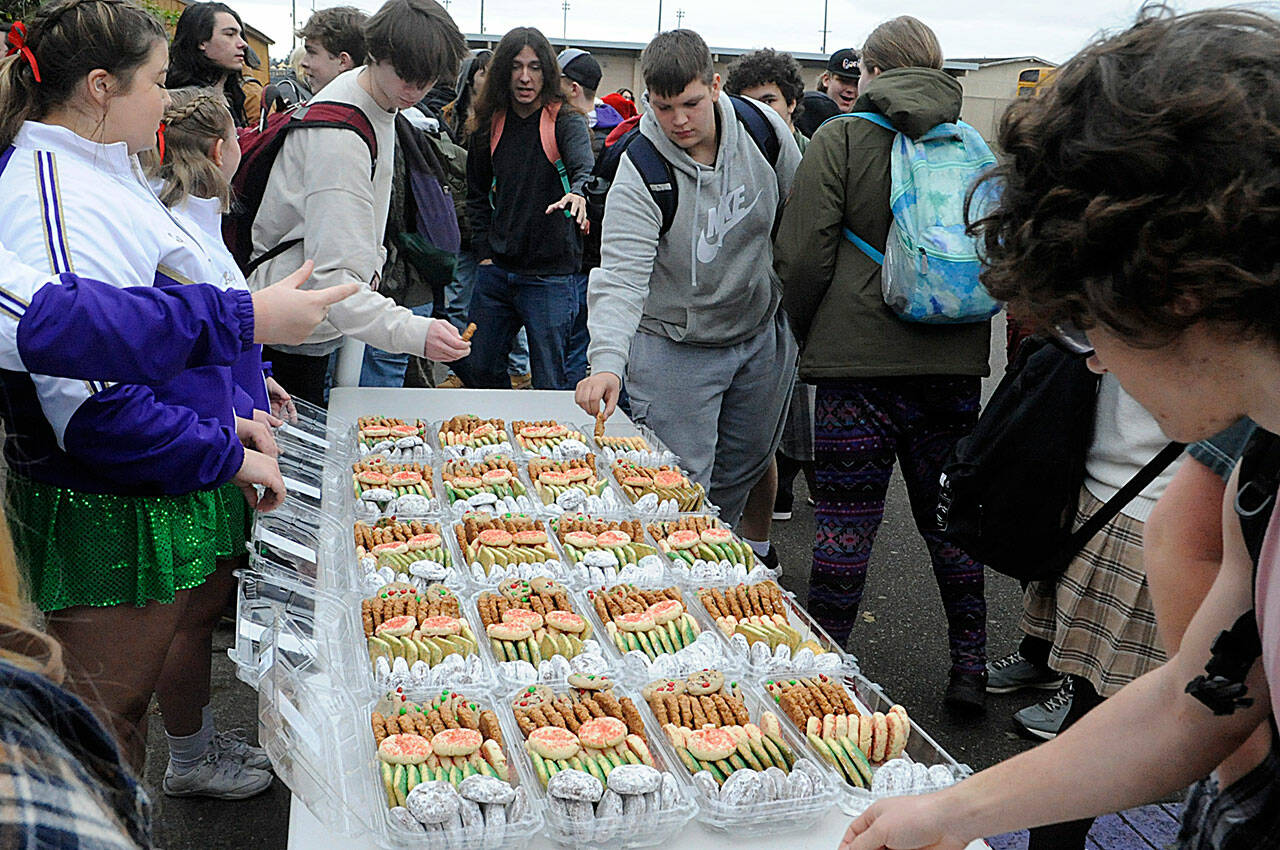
x,y
218,776
234,744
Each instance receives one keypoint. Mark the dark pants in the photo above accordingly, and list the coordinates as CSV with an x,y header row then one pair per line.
x,y
503,301
579,338
302,375
861,428
1071,834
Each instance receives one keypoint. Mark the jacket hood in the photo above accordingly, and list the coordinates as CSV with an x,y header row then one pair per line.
x,y
915,100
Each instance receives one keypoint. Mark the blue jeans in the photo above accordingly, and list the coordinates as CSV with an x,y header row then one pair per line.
x,y
384,369
457,304
576,358
504,301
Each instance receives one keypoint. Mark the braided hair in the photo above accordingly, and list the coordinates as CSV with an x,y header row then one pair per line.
x,y
69,39
195,120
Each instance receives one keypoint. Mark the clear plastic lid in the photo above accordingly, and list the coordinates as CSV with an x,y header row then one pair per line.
x,y
638,561
515,495
702,551
304,543
654,826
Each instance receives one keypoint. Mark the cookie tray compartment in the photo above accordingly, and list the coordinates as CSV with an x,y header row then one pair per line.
x,y
647,569
663,510
704,571
304,543
372,572
554,568
756,818
529,452
921,748
321,744
528,503
781,660
471,453
618,831
508,673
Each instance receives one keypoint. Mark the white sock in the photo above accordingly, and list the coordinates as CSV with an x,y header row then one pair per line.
x,y
760,547
187,751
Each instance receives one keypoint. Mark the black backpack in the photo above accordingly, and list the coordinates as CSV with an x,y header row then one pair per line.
x,y
1009,494
656,171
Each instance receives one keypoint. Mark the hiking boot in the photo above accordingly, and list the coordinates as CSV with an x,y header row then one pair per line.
x,y
521,382
966,692
219,776
1016,673
782,505
1044,719
235,745
452,382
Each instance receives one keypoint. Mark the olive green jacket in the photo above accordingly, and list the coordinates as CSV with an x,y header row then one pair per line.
x,y
831,290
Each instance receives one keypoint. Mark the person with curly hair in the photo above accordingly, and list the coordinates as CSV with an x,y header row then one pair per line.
x,y
1139,221
774,79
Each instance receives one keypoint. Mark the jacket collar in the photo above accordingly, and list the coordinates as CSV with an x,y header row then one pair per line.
x,y
49,137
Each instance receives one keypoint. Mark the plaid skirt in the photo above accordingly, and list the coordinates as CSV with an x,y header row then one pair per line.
x,y
1098,614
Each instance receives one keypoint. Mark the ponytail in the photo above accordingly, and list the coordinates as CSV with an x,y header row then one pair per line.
x,y
196,118
66,40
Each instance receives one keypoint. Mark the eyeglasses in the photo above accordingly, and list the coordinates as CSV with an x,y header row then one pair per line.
x,y
1068,335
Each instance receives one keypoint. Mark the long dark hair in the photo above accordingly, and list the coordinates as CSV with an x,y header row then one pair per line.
x,y
188,64
68,40
459,109
496,94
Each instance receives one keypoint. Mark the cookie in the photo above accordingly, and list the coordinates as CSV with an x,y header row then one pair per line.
x,y
553,742
742,788
575,785
634,779
710,744
602,733
704,682
456,742
432,802
566,621
509,631
486,789
675,687
544,585
524,617
404,749
534,696
589,682
706,783
403,817
610,804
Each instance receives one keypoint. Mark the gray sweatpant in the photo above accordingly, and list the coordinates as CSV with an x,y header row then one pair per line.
x,y
720,409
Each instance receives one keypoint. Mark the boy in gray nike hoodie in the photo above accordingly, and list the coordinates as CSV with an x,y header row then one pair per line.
x,y
711,365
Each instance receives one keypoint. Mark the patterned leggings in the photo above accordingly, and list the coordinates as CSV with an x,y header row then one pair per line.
x,y
861,428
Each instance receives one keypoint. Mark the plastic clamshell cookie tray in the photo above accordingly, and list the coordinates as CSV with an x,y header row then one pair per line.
x,y
647,830
685,573
506,678
304,543
756,819
921,747
635,670
457,578
444,452
577,575
530,452
553,568
799,619
484,684
708,507
454,511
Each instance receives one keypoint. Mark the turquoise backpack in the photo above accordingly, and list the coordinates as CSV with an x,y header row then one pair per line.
x,y
930,265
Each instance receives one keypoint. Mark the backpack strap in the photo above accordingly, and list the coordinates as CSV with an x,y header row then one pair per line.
x,y
863,246
496,125
858,242
658,178
343,116
1256,489
758,127
550,147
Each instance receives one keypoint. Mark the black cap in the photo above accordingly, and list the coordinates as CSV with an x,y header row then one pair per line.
x,y
581,67
844,63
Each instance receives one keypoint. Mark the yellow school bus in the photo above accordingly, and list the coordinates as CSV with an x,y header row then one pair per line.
x,y
1030,81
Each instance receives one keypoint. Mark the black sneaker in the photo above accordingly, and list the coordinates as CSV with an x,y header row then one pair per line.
x,y
966,692
770,558
1016,673
782,504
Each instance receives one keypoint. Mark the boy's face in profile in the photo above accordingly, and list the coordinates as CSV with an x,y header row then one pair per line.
x,y
689,118
391,91
320,66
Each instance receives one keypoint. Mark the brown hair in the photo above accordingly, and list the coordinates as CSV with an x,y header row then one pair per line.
x,y
196,118
418,38
1141,190
339,29
904,42
69,39
495,95
673,60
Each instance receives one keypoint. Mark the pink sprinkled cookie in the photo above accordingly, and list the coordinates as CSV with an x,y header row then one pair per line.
x,y
456,742
553,742
602,733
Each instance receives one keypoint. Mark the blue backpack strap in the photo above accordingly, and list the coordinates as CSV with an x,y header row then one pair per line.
x,y
758,127
656,173
863,246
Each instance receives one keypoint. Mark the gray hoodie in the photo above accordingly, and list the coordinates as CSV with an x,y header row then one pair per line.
x,y
709,281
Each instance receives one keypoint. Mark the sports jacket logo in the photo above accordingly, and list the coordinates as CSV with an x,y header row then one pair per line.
x,y
721,219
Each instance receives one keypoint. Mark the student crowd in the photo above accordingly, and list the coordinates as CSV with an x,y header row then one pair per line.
x,y
708,259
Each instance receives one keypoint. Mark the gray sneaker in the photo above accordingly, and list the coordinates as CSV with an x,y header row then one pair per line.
x,y
234,744
1015,673
218,776
1044,719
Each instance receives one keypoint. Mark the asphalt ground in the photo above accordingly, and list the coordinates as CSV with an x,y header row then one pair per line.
x,y
900,642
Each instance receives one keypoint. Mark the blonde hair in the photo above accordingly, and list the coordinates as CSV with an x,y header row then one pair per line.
x,y
195,119
904,42
21,644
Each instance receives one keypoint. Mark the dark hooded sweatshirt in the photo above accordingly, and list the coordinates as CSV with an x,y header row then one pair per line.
x,y
831,290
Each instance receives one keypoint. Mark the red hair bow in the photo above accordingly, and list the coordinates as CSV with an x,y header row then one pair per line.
x,y
17,41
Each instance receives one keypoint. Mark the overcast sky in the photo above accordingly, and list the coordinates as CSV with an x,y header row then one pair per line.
x,y
1050,29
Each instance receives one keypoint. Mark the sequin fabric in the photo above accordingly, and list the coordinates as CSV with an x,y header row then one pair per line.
x,y
232,517
101,549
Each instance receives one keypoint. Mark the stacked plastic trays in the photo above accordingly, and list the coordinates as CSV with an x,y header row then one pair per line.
x,y
464,633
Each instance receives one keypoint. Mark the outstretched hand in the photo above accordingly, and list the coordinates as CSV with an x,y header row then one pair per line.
x,y
577,206
902,823
286,314
259,470
444,343
598,393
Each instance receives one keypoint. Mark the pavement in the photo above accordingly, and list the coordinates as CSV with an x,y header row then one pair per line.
x,y
900,642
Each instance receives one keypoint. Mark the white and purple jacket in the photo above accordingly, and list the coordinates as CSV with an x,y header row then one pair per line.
x,y
76,206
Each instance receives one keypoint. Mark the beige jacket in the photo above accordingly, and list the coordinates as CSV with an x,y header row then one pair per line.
x,y
319,191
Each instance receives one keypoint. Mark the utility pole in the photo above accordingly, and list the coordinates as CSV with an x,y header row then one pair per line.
x,y
679,18
482,17
565,30
659,15
293,18
824,26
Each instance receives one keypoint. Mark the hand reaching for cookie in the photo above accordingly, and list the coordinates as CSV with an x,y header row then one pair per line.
x,y
598,394
444,343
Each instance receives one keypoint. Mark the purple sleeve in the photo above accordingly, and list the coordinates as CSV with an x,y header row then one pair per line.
x,y
153,334
241,402
128,435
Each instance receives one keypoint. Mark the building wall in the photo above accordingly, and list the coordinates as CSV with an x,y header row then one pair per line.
x,y
987,94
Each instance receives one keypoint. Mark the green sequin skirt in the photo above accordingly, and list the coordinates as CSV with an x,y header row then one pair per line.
x,y
233,521
101,549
